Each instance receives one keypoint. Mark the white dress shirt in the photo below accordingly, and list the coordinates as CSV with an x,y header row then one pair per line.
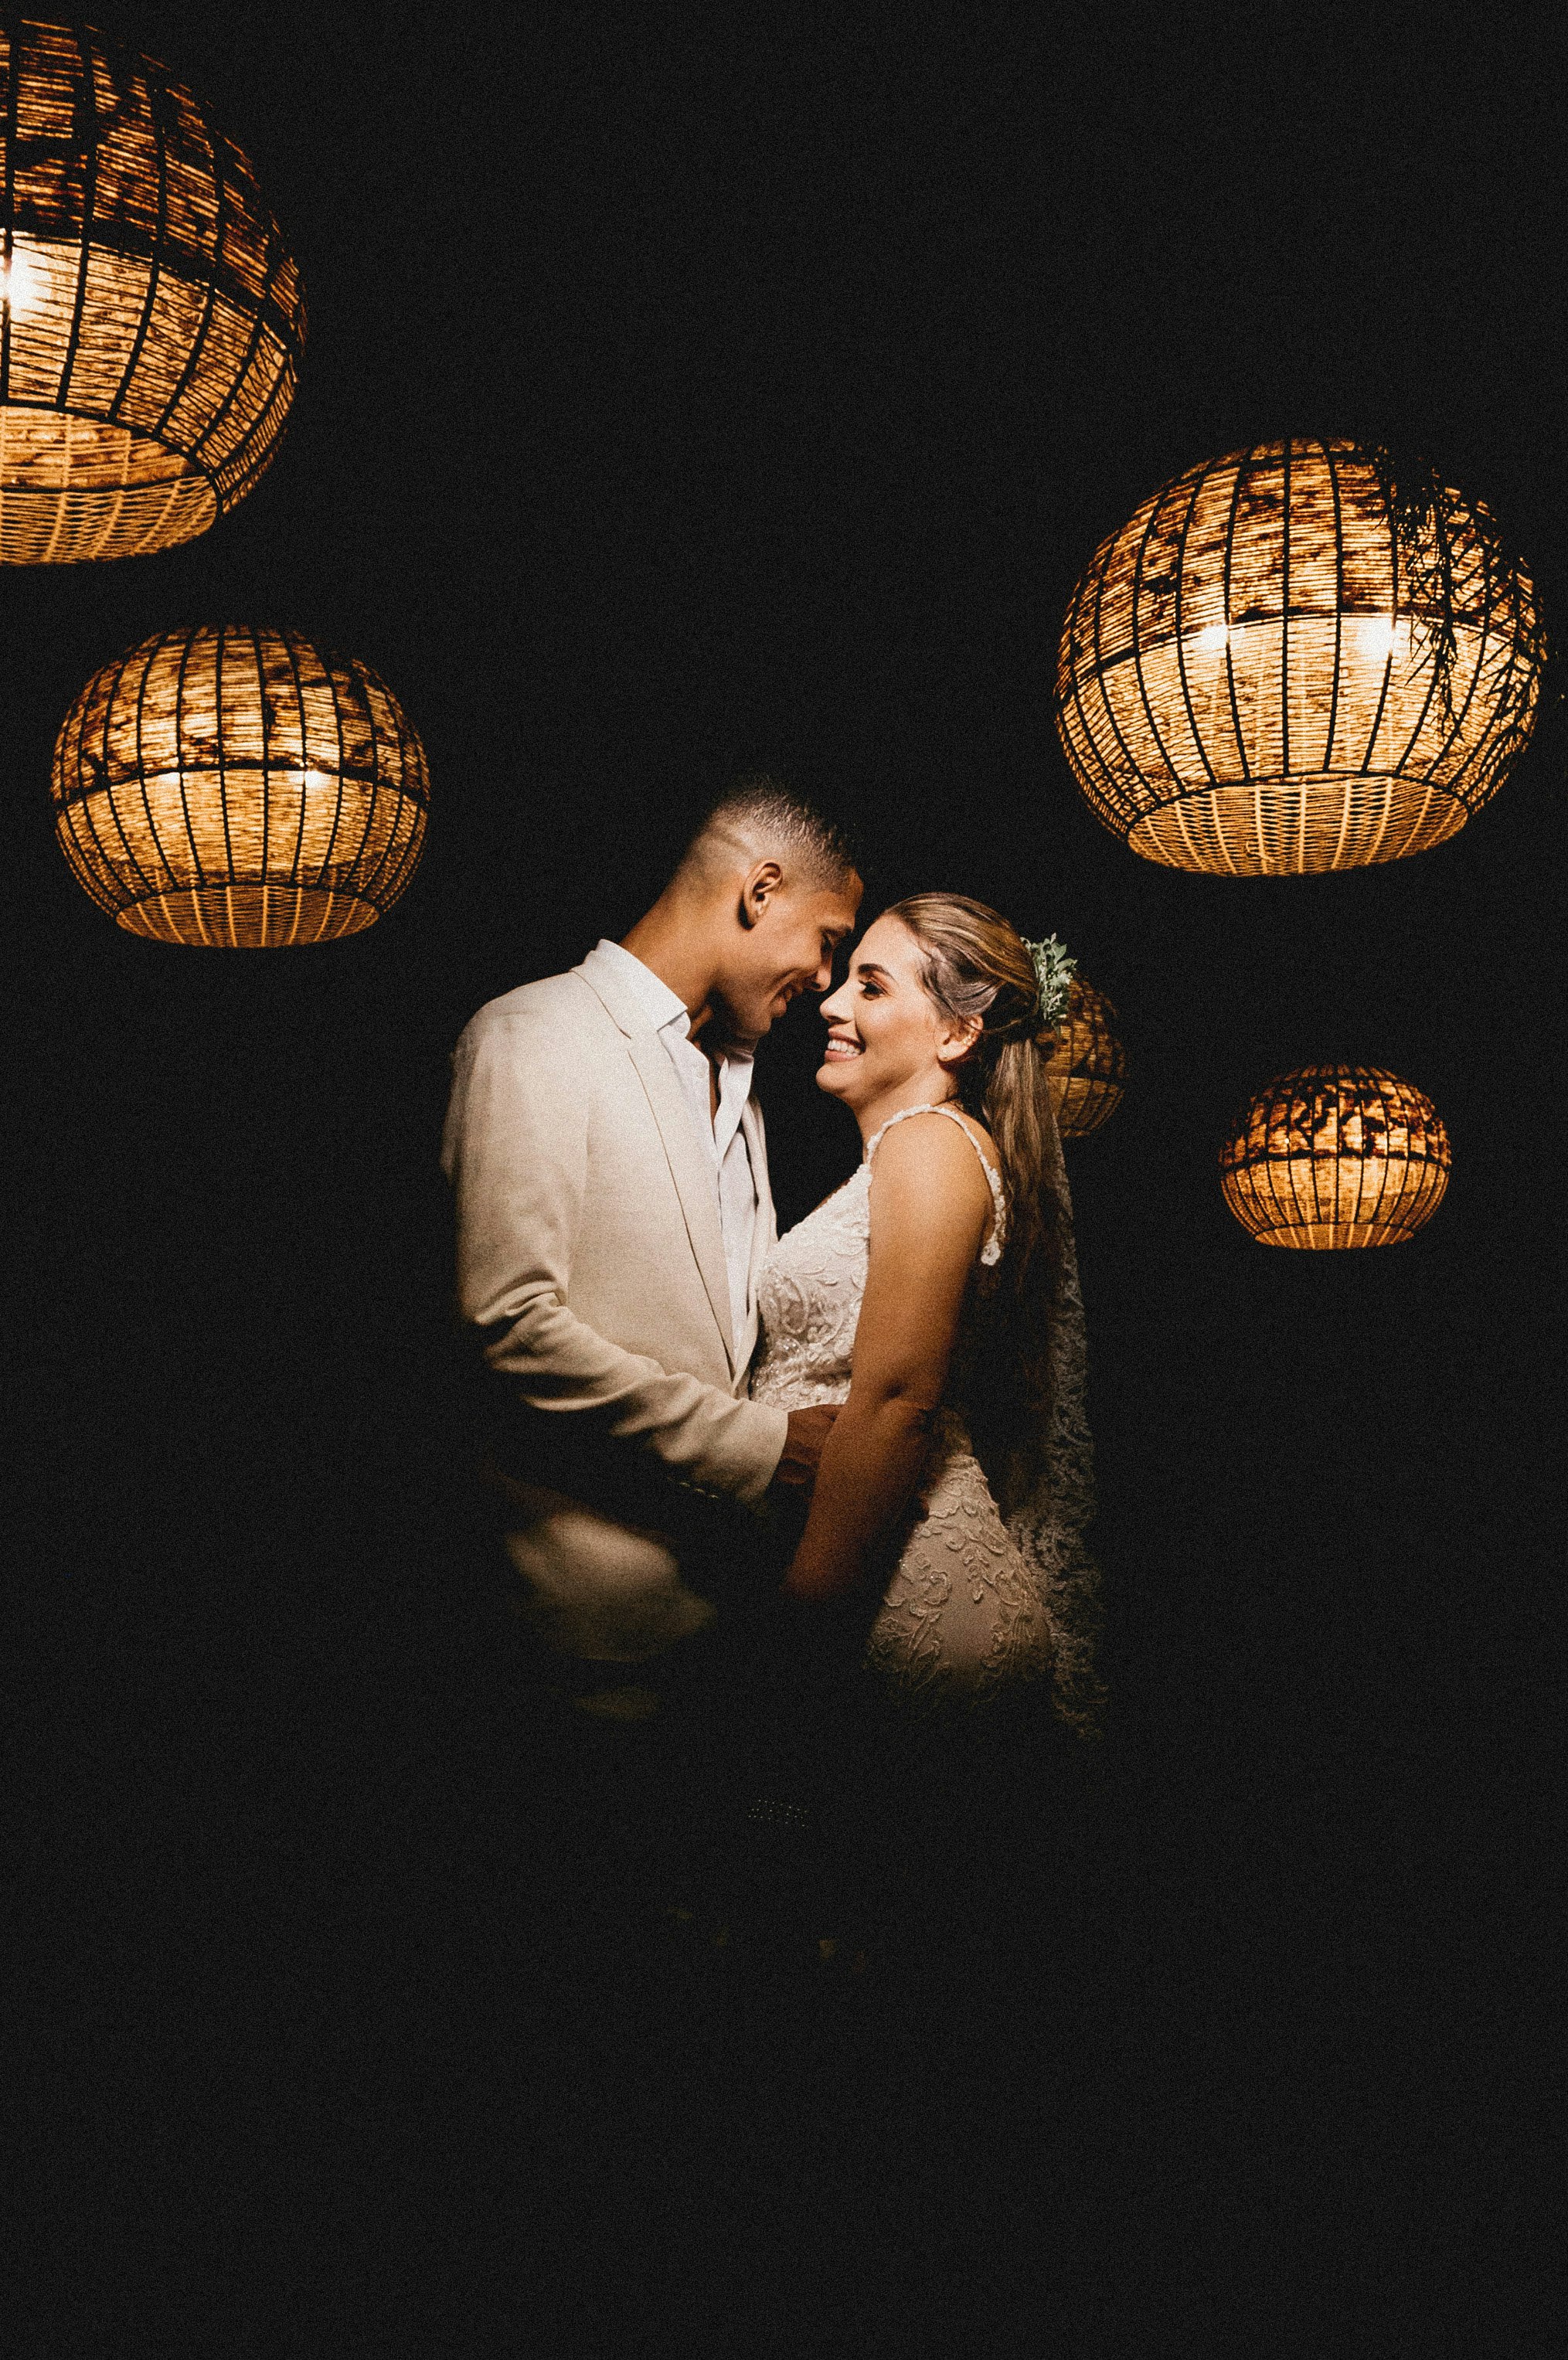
x,y
734,1181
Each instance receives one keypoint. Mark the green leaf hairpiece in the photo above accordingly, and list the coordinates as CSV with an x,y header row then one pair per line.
x,y
1054,971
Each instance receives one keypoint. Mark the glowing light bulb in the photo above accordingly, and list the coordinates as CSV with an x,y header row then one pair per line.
x,y
294,774
21,282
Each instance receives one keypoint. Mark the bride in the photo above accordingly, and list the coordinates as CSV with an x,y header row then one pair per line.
x,y
935,1297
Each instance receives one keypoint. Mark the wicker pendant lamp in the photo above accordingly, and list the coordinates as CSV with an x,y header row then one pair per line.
x,y
239,788
1335,1155
150,319
1087,1070
1304,656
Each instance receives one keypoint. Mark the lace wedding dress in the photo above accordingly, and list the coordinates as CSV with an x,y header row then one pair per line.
x,y
977,1603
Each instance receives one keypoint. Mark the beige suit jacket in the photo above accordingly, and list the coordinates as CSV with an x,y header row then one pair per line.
x,y
590,1263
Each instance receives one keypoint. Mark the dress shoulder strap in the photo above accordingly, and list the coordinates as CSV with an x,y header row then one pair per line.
x,y
993,1251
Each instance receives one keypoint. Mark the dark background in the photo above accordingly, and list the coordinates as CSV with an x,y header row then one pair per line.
x,y
684,395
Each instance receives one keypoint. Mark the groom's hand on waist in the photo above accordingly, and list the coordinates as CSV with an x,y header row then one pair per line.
x,y
809,1430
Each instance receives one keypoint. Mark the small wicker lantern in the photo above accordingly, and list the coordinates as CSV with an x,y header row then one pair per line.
x,y
1282,663
150,319
1087,1070
238,787
1335,1155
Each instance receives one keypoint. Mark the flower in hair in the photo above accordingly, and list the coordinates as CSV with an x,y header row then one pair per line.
x,y
1054,971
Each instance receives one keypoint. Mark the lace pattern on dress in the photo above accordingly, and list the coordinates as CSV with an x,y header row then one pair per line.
x,y
975,1604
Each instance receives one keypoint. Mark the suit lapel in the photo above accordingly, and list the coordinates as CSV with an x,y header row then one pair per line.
x,y
765,1235
690,1170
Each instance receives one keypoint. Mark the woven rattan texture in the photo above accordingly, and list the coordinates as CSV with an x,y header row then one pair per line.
x,y
1246,682
150,319
1088,1070
1335,1155
237,787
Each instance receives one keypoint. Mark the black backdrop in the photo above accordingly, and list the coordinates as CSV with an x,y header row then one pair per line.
x,y
688,396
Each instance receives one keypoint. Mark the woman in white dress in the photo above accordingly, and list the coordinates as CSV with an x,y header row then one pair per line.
x,y
936,1296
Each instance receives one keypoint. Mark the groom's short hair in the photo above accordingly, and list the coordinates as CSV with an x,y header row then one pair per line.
x,y
758,815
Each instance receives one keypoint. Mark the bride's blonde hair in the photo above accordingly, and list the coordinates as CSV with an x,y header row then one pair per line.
x,y
973,964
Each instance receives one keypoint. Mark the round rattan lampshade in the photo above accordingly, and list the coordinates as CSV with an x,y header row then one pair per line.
x,y
150,319
239,788
1335,1155
1256,675
1087,1070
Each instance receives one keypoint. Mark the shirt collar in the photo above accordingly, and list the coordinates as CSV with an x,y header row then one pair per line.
x,y
659,1003
661,1006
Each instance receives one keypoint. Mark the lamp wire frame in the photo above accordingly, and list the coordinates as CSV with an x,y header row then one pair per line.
x,y
1291,659
237,786
1331,1156
1088,1070
146,378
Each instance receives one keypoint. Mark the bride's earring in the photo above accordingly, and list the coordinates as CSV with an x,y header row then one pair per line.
x,y
959,1053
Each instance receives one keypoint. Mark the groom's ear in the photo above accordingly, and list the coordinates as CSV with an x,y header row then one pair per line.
x,y
758,889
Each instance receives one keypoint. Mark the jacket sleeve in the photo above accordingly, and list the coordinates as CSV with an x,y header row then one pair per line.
x,y
515,1151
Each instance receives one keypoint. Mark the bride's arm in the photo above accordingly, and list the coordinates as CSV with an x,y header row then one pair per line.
x,y
930,1207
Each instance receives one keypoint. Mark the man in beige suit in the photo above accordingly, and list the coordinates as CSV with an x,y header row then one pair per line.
x,y
613,1208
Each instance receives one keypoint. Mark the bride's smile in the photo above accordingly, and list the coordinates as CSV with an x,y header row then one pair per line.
x,y
889,1044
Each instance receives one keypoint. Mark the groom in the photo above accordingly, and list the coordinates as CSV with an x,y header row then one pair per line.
x,y
613,1209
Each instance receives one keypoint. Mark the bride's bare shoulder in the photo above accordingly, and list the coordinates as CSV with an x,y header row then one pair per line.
x,y
926,1149
935,1129
977,1132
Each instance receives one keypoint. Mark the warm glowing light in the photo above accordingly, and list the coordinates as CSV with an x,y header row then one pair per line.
x,y
22,282
1302,726
1334,1156
151,318
239,788
1087,1071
